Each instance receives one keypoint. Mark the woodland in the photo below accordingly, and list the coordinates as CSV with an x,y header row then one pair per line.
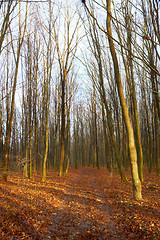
x,y
79,119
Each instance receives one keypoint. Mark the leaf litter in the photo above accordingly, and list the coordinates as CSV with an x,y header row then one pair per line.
x,y
84,204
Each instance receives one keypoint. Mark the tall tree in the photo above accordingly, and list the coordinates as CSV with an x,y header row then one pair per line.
x,y
132,148
17,58
99,83
47,79
129,71
65,60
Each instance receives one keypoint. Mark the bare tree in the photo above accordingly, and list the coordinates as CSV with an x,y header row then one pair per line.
x,y
6,9
17,58
65,60
132,148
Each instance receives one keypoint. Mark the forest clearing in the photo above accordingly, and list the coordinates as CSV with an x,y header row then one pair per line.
x,y
86,203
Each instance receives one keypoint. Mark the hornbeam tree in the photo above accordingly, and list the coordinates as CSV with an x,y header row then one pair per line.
x,y
65,61
17,59
132,148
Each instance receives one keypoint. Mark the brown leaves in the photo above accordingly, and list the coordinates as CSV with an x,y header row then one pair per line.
x,y
85,204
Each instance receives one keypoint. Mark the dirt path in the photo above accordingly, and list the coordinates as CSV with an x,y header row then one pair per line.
x,y
88,215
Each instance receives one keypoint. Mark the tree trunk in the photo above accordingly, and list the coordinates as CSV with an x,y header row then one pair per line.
x,y
132,148
106,141
62,129
46,153
8,136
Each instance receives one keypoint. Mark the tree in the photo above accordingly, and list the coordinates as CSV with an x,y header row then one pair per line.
x,y
7,9
65,60
47,79
98,82
132,148
129,71
17,58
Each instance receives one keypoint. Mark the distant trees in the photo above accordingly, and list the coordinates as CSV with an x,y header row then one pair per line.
x,y
68,95
151,42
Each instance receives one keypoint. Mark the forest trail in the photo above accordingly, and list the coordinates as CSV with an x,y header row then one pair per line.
x,y
88,215
84,204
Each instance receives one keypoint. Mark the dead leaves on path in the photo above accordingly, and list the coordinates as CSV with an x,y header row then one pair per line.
x,y
85,204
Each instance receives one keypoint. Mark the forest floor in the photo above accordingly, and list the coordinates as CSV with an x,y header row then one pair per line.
x,y
84,204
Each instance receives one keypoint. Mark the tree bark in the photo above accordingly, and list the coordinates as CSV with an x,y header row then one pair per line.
x,y
62,128
132,148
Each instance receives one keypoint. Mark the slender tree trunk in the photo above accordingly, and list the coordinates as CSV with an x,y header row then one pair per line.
x,y
55,149
68,140
132,148
8,135
68,148
156,141
35,126
96,140
57,126
133,92
62,129
26,158
76,143
45,155
106,141
30,129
